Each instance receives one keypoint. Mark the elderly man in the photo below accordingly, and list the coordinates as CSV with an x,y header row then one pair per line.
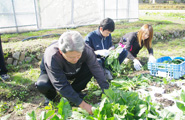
x,y
69,59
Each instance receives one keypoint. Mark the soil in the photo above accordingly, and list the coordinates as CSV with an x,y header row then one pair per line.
x,y
30,102
158,95
138,73
34,101
170,88
155,84
165,102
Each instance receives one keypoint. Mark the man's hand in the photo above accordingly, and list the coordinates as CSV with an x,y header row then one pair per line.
x,y
103,52
86,107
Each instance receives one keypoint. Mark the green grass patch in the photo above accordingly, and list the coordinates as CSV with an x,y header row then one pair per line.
x,y
26,77
4,106
122,27
26,34
174,15
173,47
171,6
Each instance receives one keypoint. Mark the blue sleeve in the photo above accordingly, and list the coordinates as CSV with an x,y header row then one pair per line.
x,y
110,41
88,41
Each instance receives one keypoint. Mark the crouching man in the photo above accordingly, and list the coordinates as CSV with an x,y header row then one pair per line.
x,y
67,66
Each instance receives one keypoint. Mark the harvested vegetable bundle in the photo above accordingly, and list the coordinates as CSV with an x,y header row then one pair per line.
x,y
175,61
112,62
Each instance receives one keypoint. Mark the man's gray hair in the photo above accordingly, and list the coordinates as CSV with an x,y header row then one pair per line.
x,y
71,41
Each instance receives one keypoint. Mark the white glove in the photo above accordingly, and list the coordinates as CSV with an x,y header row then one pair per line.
x,y
103,52
119,49
137,64
126,61
151,59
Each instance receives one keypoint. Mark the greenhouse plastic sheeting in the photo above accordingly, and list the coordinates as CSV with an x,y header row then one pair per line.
x,y
25,15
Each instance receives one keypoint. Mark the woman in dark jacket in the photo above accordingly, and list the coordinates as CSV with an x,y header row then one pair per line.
x,y
135,41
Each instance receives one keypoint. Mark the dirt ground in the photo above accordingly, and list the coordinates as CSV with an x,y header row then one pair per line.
x,y
28,106
37,100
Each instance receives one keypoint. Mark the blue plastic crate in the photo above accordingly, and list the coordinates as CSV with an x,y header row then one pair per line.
x,y
172,71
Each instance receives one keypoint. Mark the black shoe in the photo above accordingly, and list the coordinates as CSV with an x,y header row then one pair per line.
x,y
108,75
46,103
81,95
5,77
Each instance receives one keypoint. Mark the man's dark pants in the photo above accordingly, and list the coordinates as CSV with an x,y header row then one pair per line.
x,y
3,69
79,83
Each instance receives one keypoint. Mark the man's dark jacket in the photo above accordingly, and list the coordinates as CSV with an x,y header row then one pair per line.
x,y
59,70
